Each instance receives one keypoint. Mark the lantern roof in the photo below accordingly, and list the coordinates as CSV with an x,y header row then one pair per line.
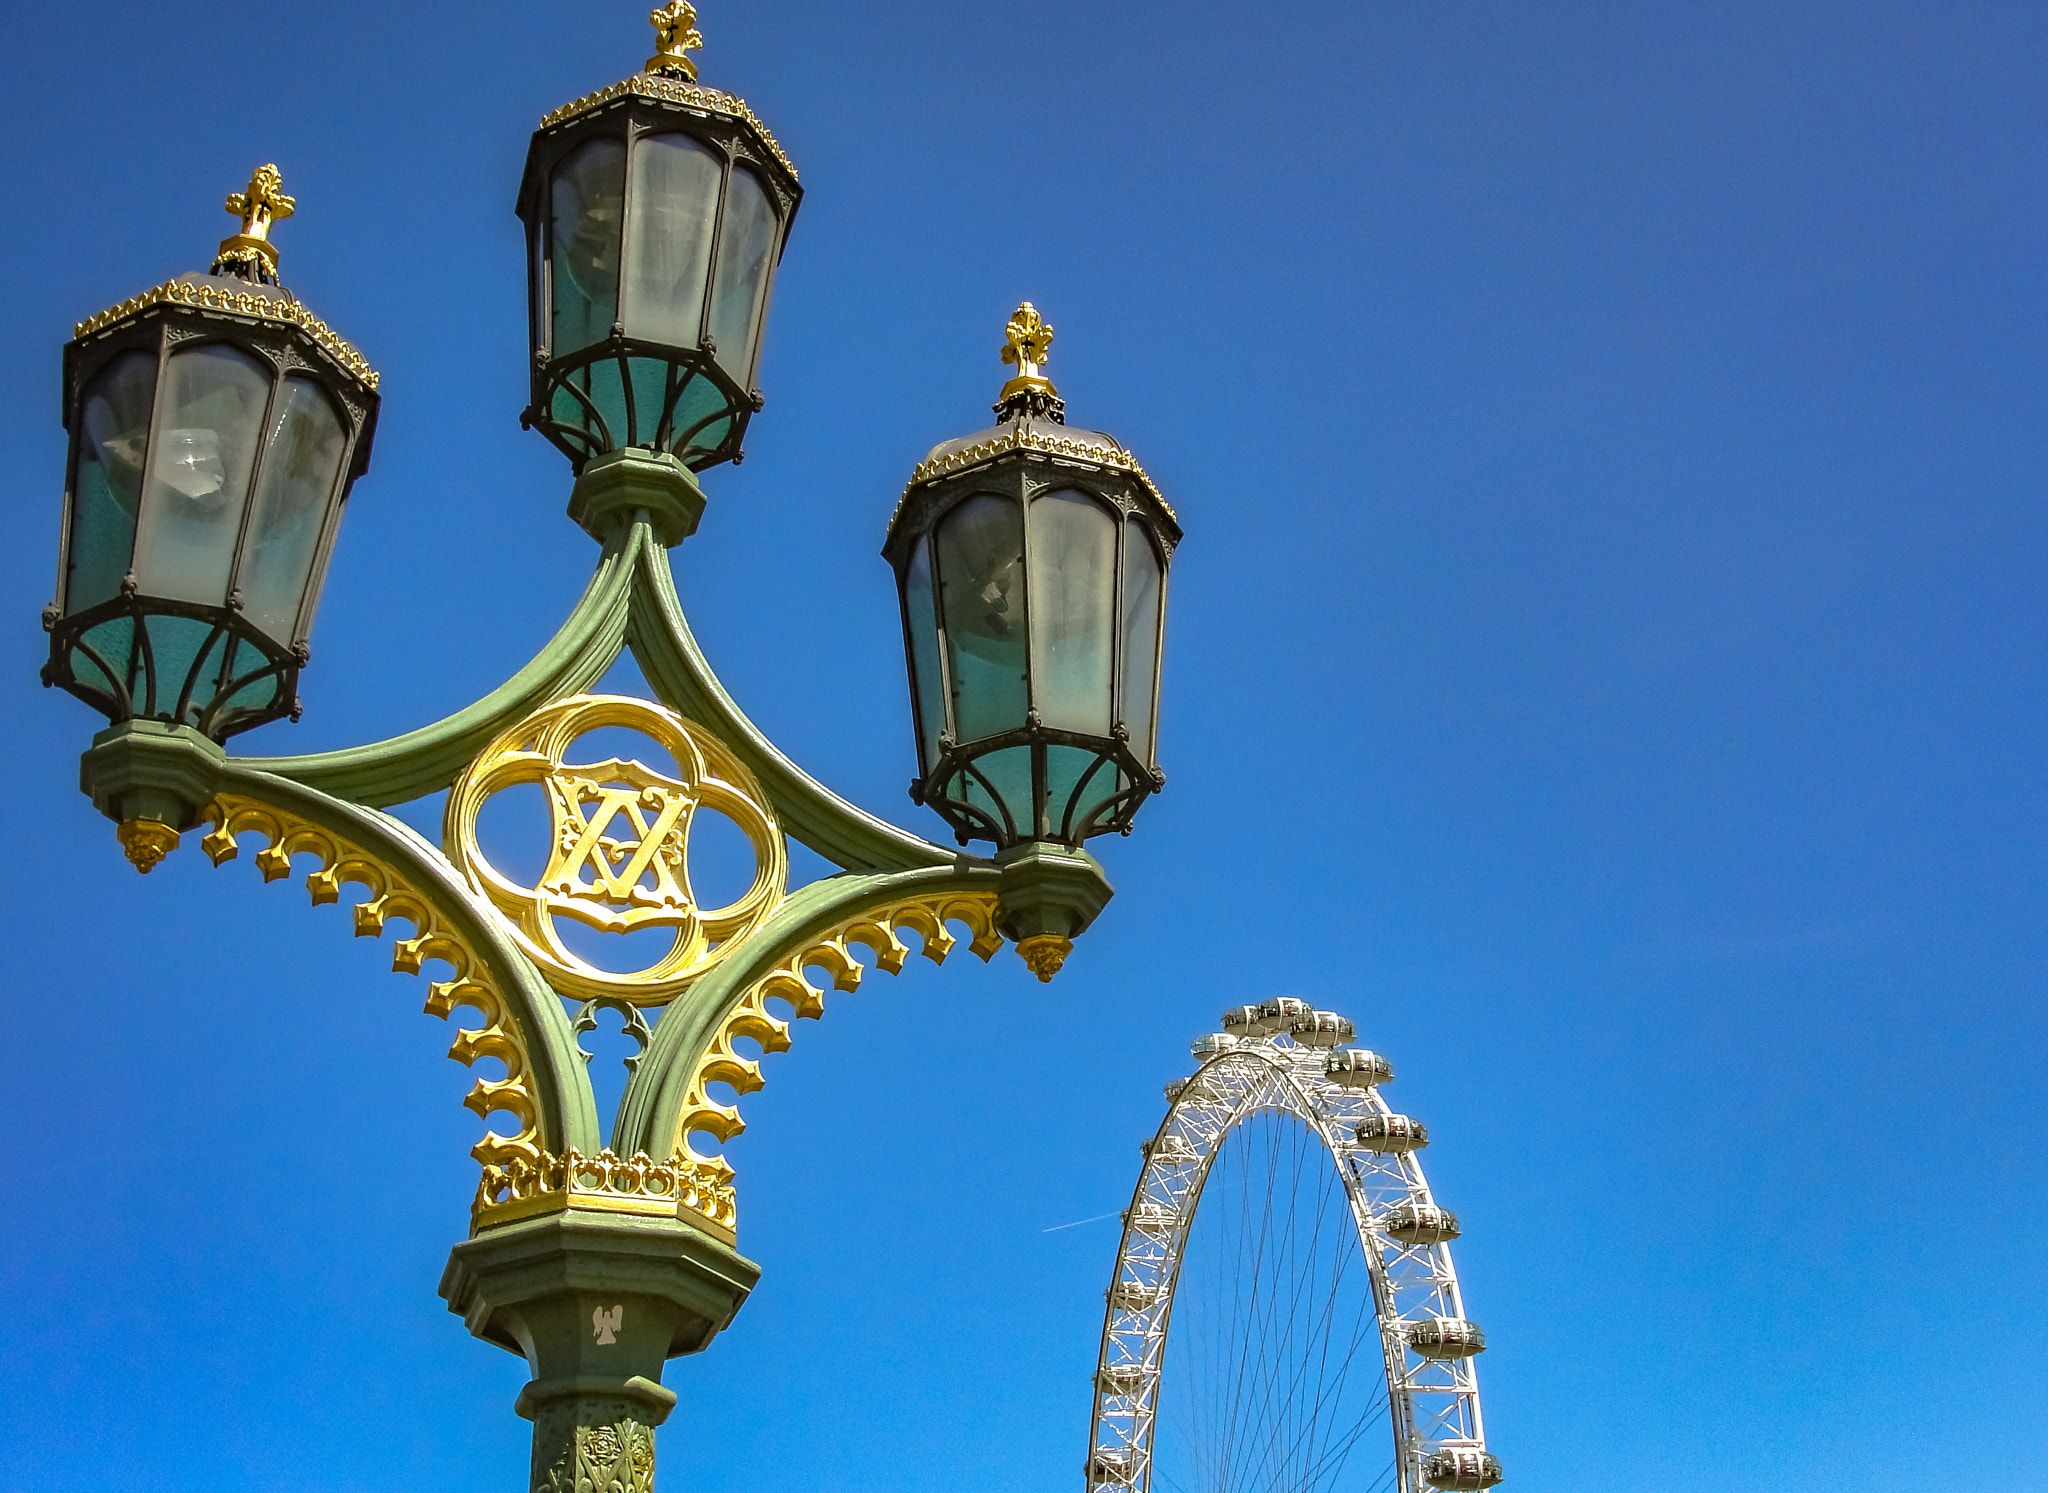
x,y
671,78
1031,420
243,282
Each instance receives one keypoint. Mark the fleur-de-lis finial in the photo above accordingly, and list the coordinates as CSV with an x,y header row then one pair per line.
x,y
675,31
250,252
1029,340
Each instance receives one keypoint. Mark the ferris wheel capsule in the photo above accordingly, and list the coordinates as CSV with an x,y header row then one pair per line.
x,y
1242,1021
1173,1088
1355,1068
1133,1296
1205,1048
1322,1029
1170,1149
1111,1468
1392,1135
1421,1223
1121,1378
1444,1338
1149,1218
1462,1469
1277,1014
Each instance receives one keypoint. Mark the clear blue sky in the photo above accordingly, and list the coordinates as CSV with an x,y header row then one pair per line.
x,y
1607,661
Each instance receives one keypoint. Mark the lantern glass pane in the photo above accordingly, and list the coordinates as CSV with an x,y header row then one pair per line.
x,y
702,419
675,202
981,595
1008,772
743,246
301,462
1073,610
927,684
200,461
587,205
1141,639
1066,769
113,436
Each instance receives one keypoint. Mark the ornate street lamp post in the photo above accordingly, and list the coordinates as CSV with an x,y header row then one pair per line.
x,y
216,429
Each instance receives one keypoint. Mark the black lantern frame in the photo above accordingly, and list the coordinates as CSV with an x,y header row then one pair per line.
x,y
1074,784
135,654
636,384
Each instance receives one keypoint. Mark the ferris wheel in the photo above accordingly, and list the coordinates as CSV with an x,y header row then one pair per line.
x,y
1284,1316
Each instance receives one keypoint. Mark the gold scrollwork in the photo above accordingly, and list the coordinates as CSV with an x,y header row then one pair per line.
x,y
606,1183
619,847
392,896
750,1018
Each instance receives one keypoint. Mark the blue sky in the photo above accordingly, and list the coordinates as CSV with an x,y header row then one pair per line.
x,y
1606,661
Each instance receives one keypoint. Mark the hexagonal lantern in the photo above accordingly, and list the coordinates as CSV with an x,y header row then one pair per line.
x,y
656,211
1031,561
216,428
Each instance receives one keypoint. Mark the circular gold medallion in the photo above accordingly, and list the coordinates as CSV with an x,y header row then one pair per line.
x,y
618,856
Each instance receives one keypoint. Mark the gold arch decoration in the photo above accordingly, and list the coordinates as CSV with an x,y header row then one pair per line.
x,y
393,897
832,951
618,858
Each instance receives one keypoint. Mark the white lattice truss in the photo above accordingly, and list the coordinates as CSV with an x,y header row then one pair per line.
x,y
1434,1404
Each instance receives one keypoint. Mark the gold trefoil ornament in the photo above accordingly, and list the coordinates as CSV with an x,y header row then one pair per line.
x,y
618,857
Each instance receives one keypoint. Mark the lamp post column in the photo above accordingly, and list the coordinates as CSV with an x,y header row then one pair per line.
x,y
596,1302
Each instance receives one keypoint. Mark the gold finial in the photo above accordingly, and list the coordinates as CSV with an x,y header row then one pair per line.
x,y
147,842
1045,952
675,30
1028,339
262,204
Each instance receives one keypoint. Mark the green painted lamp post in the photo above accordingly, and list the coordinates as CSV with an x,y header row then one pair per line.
x,y
216,429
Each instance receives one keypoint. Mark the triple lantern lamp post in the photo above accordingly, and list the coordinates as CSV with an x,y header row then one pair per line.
x,y
217,428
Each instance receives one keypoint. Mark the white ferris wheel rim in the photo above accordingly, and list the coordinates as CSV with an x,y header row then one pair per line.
x,y
1432,1400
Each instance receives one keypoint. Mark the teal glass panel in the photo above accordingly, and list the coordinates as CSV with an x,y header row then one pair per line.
x,y
1141,598
744,242
587,204
200,462
184,650
650,396
927,684
113,436
1073,610
114,642
252,698
668,260
980,552
701,405
1065,767
1009,771
301,465
599,383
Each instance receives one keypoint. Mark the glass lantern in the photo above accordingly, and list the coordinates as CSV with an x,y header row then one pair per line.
x,y
656,211
1031,561
216,428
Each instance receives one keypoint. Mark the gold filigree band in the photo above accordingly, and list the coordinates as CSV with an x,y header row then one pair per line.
x,y
606,1183
238,303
